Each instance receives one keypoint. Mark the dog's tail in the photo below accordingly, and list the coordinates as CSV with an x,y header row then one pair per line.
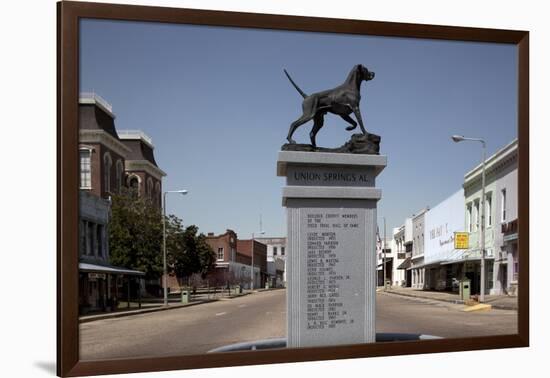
x,y
295,86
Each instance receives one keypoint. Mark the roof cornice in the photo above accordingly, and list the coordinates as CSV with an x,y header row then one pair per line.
x,y
146,166
104,138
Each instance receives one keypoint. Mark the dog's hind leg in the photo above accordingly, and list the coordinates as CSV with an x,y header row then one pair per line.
x,y
317,125
357,113
350,120
299,122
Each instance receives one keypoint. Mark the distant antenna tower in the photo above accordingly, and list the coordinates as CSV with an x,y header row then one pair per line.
x,y
261,228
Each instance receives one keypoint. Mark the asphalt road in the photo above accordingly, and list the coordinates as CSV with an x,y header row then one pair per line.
x,y
262,315
395,313
192,330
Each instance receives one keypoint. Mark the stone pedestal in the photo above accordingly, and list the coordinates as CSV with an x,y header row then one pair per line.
x,y
331,246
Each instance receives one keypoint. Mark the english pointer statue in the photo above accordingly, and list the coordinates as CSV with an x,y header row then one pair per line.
x,y
342,100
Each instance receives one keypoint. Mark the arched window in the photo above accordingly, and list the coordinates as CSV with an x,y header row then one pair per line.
x,y
150,188
158,194
119,169
107,164
133,184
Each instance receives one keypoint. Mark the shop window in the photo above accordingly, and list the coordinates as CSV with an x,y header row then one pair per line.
x,y
503,205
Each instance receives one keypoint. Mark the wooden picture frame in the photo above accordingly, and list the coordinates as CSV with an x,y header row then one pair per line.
x,y
69,13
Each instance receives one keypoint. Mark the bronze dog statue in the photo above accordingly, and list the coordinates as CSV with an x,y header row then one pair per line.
x,y
342,101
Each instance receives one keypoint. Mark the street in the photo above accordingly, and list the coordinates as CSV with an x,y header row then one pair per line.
x,y
262,315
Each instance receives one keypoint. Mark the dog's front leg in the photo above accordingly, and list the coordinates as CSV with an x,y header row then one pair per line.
x,y
357,113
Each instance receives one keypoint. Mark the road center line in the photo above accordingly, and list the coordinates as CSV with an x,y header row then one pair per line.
x,y
221,313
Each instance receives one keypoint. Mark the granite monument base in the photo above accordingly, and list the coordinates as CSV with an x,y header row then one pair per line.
x,y
331,204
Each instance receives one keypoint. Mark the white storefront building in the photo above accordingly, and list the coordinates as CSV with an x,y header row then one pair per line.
x,y
441,222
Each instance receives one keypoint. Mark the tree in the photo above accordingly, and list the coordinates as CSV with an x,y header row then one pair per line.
x,y
189,251
135,240
135,235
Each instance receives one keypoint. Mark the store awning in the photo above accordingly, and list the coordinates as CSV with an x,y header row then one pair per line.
x,y
465,255
109,269
405,264
428,264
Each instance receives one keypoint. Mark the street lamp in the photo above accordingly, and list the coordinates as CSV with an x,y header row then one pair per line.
x,y
252,262
461,138
165,270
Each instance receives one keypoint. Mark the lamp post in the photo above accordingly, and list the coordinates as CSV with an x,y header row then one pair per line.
x,y
457,139
165,270
252,262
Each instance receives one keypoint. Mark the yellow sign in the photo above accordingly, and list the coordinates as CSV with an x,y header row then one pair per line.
x,y
462,240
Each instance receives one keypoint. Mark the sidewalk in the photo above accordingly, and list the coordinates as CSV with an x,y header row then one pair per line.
x,y
145,309
502,302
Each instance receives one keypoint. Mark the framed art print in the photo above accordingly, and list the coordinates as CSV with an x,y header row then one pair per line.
x,y
238,188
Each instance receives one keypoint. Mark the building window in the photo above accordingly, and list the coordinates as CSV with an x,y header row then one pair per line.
x,y
89,238
85,169
503,205
476,216
133,184
274,251
158,194
469,218
107,164
220,254
150,188
119,169
489,211
282,251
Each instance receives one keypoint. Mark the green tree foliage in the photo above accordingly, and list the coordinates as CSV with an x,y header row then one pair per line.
x,y
135,235
189,253
135,240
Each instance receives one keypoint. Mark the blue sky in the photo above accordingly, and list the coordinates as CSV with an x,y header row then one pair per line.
x,y
218,107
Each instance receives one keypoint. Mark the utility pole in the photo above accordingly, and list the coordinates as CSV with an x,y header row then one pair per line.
x,y
252,253
384,254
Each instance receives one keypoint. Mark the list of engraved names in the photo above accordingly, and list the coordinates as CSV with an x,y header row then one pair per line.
x,y
326,304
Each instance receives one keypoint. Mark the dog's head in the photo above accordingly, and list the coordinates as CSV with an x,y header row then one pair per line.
x,y
365,73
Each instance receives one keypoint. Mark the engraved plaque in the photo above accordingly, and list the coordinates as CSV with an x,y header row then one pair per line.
x,y
331,250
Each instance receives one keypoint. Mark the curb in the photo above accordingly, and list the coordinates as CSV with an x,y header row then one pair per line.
x,y
453,301
142,311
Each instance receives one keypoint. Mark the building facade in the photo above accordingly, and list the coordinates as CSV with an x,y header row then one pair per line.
x,y
103,155
399,254
407,245
257,252
501,192
443,265
234,261
385,257
276,260
417,255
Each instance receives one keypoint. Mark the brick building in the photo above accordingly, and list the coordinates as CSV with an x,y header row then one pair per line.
x,y
234,261
247,248
108,164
